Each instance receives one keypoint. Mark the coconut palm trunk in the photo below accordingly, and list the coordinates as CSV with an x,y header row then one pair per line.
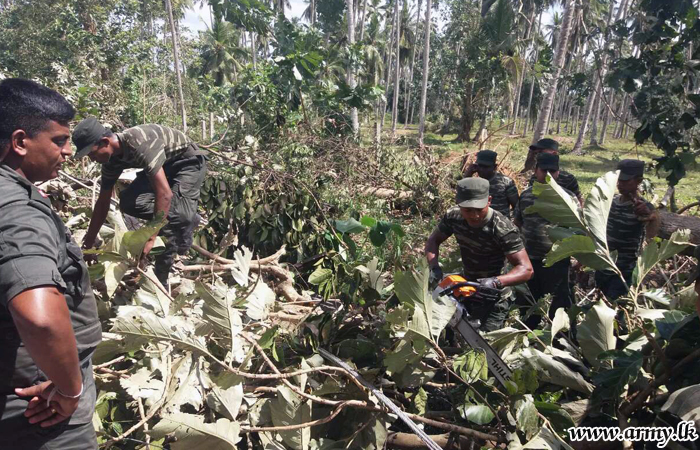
x,y
426,66
558,64
176,62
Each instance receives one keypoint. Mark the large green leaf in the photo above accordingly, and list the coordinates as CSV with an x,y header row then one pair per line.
x,y
581,247
556,205
291,409
560,322
627,365
659,250
218,309
134,241
596,333
430,316
226,402
526,416
552,371
479,414
191,432
349,226
140,322
152,295
545,440
472,365
597,207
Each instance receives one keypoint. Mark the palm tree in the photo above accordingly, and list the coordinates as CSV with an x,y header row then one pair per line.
x,y
221,52
176,61
351,68
558,63
426,66
309,13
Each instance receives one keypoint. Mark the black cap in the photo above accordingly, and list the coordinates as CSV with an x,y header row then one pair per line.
x,y
86,134
545,144
630,168
473,193
486,158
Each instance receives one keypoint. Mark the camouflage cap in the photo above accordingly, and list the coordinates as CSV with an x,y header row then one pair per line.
x,y
86,134
630,168
473,193
548,161
545,144
486,158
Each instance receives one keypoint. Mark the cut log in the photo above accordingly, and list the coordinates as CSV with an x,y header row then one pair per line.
x,y
385,193
411,441
671,222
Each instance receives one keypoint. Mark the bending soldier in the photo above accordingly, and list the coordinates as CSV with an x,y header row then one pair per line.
x,y
486,239
173,172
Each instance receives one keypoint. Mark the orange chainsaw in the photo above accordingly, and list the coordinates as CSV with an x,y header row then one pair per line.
x,y
461,291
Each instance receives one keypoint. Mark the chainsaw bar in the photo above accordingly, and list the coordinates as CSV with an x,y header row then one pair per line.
x,y
497,366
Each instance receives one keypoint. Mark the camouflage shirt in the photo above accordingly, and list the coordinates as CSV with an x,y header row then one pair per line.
x,y
566,180
146,147
533,226
503,192
625,232
483,249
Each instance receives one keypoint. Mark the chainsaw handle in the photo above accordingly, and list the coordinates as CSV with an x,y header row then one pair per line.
x,y
487,293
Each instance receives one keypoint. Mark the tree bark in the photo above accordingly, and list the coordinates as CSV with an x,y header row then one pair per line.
x,y
516,109
409,83
176,60
351,69
562,46
426,66
606,119
670,222
389,60
362,21
397,73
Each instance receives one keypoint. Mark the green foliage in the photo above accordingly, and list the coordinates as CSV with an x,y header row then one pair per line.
x,y
662,80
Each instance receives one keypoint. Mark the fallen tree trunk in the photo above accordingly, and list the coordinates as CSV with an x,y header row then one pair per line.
x,y
385,193
670,222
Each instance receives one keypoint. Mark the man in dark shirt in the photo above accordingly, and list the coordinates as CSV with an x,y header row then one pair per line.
x,y
547,280
48,315
173,172
502,189
486,239
627,221
566,180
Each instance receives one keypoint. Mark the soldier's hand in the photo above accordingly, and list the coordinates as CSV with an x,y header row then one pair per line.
x,y
436,275
640,207
471,169
491,283
46,415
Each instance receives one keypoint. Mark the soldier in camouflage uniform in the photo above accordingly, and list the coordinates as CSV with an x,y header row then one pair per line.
x,y
566,180
628,218
173,172
502,189
547,280
486,239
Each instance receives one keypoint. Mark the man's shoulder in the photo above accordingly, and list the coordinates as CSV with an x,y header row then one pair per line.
x,y
499,178
12,190
453,213
501,225
568,176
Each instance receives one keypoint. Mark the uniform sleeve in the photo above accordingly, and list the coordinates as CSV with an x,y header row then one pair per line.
x,y
28,251
510,241
512,194
573,186
518,213
445,226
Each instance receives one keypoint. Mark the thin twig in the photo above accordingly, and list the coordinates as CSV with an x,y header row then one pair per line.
x,y
299,426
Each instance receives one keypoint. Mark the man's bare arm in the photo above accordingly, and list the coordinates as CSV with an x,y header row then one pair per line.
x,y
164,196
521,271
99,215
432,248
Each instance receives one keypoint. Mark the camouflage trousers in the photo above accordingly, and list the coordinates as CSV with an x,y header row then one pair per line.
x,y
185,177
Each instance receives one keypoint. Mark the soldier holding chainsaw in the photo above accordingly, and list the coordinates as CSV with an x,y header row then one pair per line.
x,y
486,238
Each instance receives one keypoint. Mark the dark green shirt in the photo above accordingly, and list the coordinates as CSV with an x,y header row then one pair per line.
x,y
146,147
566,180
533,227
625,232
37,250
503,192
483,249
